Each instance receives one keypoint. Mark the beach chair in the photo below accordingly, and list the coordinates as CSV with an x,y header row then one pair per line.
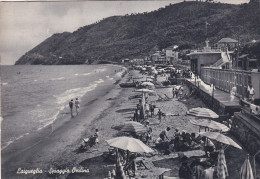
x,y
88,143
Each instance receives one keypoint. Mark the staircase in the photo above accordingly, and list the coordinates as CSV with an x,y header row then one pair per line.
x,y
225,58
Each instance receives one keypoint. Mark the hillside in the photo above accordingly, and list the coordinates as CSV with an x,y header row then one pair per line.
x,y
135,35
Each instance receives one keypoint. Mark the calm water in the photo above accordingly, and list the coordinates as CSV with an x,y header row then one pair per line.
x,y
33,96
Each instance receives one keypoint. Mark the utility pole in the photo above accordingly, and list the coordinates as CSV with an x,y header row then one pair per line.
x,y
206,29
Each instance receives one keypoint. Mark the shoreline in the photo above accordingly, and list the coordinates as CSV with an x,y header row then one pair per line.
x,y
18,155
113,108
61,118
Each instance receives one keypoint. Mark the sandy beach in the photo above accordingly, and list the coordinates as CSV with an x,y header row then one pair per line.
x,y
114,106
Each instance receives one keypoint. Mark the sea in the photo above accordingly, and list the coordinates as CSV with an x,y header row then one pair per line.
x,y
34,96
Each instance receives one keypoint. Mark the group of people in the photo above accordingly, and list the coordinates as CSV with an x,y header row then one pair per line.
x,y
183,141
144,110
73,104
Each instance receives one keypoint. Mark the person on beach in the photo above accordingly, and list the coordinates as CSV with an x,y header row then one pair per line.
x,y
151,108
176,133
147,110
164,134
251,92
136,116
209,146
160,113
96,136
71,107
77,105
173,92
185,171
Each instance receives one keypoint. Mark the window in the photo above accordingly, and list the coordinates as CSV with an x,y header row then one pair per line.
x,y
252,64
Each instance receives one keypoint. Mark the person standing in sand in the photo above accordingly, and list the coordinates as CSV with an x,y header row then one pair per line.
x,y
71,107
160,114
96,136
77,105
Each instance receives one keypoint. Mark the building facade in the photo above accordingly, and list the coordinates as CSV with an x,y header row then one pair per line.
x,y
171,54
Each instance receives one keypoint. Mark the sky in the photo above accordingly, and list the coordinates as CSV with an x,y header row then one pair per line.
x,y
23,25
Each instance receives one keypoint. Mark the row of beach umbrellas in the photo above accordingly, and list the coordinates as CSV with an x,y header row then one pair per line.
x,y
134,145
210,124
207,114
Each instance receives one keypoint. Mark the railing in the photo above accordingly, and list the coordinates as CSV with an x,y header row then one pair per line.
x,y
227,79
209,49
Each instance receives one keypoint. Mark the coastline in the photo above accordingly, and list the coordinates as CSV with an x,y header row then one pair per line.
x,y
58,151
34,150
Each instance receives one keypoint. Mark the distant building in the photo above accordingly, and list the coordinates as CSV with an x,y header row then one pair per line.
x,y
227,44
138,61
203,57
245,63
159,58
171,54
223,68
126,60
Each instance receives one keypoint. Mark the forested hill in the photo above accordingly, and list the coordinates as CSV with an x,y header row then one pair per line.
x,y
135,35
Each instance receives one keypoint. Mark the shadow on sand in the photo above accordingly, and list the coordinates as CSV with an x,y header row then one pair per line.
x,y
98,168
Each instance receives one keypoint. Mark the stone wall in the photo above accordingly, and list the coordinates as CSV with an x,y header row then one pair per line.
x,y
247,132
212,103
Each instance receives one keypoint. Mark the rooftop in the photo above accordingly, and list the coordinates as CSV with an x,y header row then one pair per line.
x,y
227,40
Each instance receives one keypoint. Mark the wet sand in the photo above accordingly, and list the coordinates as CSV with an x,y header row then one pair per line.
x,y
54,146
114,107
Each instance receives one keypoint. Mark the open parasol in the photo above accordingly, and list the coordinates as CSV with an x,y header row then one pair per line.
x,y
130,144
135,127
202,112
147,84
220,138
144,90
210,124
149,79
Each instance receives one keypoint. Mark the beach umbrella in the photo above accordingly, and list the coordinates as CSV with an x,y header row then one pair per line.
x,y
220,138
149,79
246,170
135,127
202,112
222,171
144,90
210,124
147,84
130,144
